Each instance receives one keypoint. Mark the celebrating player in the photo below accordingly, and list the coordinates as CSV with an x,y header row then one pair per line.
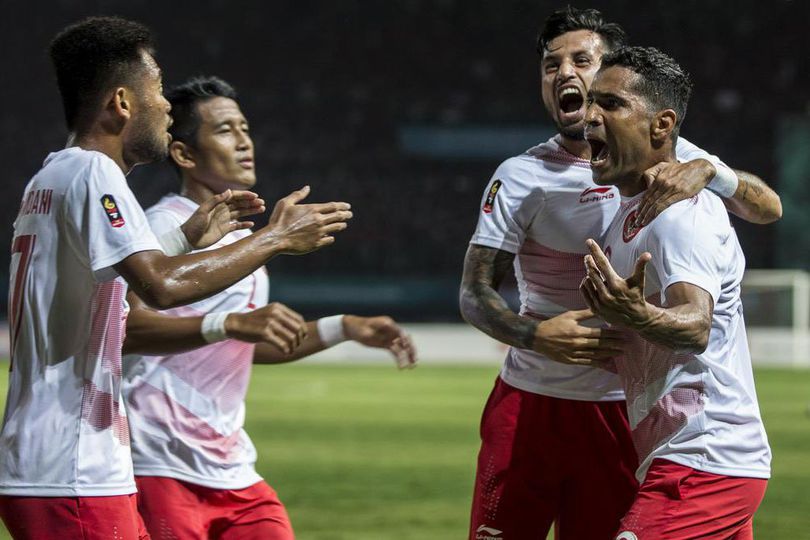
x,y
65,464
556,444
194,462
704,456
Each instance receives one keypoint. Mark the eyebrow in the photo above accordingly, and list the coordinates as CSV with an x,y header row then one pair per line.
x,y
554,55
597,95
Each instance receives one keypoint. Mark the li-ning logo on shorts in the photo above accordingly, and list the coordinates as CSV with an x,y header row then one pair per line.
x,y
596,194
487,533
113,213
490,201
626,535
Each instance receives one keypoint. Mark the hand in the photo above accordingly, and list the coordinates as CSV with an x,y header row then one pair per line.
x,y
563,339
307,227
616,300
384,333
671,182
274,323
219,216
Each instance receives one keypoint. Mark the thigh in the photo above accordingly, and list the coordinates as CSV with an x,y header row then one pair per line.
x,y
170,508
254,513
602,486
516,485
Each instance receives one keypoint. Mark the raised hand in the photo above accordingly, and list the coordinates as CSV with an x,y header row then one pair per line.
x,y
220,215
616,300
274,323
307,227
384,333
564,339
672,182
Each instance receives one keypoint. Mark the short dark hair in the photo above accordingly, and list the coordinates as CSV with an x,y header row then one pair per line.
x,y
570,19
94,54
184,99
662,82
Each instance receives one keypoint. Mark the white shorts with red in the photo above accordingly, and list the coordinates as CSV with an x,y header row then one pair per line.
x,y
174,509
676,502
546,460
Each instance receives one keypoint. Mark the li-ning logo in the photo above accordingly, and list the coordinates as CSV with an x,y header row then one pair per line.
x,y
627,535
487,533
596,194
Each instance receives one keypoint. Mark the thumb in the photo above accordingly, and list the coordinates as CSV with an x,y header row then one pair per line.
x,y
652,173
637,279
297,196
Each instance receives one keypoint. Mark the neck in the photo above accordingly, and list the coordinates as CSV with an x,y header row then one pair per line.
x,y
110,145
634,183
194,190
577,147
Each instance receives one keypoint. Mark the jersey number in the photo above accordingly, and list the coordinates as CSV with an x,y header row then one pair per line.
x,y
24,245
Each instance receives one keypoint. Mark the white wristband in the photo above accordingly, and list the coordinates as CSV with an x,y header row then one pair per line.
x,y
174,242
330,330
213,327
725,182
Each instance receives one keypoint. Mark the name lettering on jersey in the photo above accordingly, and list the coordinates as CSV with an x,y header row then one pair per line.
x,y
37,201
630,228
113,213
596,194
490,200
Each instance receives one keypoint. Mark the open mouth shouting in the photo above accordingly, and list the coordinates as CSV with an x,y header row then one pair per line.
x,y
599,150
570,101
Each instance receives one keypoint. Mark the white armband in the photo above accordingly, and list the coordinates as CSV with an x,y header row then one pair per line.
x,y
174,242
330,330
213,326
725,182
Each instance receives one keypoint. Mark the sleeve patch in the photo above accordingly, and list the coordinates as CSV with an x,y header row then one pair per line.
x,y
112,211
490,200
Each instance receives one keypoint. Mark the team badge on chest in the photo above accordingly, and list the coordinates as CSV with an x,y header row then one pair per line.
x,y
112,211
630,229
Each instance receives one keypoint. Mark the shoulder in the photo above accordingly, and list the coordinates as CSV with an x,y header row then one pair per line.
x,y
169,212
701,216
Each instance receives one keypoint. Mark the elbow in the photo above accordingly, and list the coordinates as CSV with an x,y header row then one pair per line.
x,y
466,304
699,340
159,297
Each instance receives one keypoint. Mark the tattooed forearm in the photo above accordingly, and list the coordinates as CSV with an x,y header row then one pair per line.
x,y
483,307
754,201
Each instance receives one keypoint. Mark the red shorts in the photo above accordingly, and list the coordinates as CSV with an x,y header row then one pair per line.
x,y
680,503
88,518
545,459
175,509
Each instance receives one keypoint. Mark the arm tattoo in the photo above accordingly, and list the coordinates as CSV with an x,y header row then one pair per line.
x,y
754,201
481,304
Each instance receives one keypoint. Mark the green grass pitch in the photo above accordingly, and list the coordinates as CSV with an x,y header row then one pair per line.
x,y
369,453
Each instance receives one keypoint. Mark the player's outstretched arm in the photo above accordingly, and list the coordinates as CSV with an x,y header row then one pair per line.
x,y
561,338
379,332
683,326
671,182
150,332
164,282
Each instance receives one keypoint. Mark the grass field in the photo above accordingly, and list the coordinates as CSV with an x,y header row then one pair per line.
x,y
369,453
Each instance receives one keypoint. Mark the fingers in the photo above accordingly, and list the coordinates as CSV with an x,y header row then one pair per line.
x,y
587,292
602,263
238,195
240,225
404,351
598,284
245,212
331,207
581,314
212,202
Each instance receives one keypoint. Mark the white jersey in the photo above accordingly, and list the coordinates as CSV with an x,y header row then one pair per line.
x,y
699,410
187,410
65,430
542,206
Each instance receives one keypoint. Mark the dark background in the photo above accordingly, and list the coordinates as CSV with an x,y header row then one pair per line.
x,y
329,88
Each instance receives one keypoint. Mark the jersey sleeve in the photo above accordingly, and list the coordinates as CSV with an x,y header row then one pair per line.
x,y
686,151
686,245
511,201
109,220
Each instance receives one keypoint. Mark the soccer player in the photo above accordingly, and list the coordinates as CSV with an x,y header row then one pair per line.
x,y
704,456
194,462
65,464
555,441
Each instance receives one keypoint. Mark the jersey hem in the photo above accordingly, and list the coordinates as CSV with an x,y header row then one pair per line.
x,y
556,393
497,243
705,466
123,253
200,481
66,491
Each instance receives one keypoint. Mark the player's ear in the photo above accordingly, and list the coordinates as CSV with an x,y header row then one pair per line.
x,y
662,125
181,154
121,103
